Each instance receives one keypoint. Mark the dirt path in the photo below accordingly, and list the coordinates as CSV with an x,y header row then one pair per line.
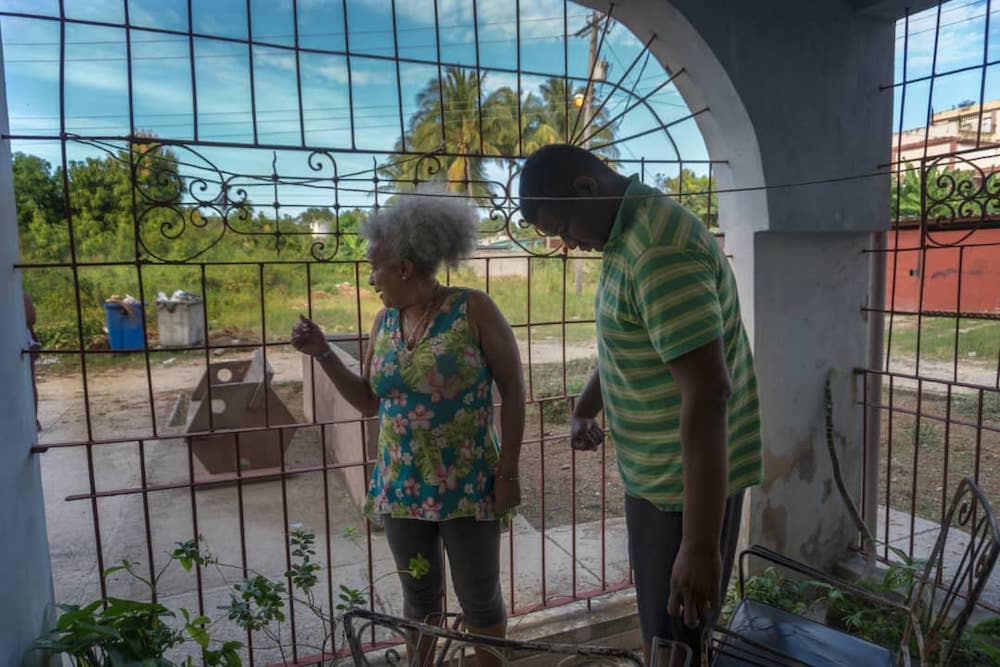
x,y
971,372
184,374
178,375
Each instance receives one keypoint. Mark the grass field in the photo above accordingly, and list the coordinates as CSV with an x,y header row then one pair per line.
x,y
266,300
922,460
978,340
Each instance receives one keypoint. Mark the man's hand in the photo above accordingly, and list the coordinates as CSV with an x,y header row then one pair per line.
x,y
696,584
585,434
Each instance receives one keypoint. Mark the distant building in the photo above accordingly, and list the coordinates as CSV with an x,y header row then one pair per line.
x,y
954,131
320,228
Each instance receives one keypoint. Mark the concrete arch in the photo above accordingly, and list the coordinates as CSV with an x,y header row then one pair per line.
x,y
726,128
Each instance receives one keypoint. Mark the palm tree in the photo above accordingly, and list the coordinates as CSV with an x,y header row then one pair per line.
x,y
535,128
468,130
564,122
454,130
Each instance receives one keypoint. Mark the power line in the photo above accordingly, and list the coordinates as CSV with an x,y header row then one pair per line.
x,y
138,29
615,102
935,26
290,123
242,56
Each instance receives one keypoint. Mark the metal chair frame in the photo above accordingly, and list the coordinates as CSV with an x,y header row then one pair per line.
x,y
935,621
452,645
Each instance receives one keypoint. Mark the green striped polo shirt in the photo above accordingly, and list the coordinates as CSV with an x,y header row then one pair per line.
x,y
666,289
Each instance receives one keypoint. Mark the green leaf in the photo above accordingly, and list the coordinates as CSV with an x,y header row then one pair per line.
x,y
419,566
104,630
900,554
198,634
114,568
988,628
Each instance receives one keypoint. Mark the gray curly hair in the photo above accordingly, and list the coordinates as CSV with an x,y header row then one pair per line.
x,y
429,227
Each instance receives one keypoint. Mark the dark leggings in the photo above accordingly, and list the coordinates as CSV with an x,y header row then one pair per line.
x,y
474,554
654,537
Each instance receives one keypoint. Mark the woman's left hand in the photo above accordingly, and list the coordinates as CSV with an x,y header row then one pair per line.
x,y
506,494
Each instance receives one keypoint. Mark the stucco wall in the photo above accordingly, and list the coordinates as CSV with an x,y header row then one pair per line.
x,y
25,575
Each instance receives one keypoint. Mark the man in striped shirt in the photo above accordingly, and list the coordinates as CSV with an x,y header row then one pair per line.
x,y
675,379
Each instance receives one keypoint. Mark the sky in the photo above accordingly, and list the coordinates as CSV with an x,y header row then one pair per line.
x,y
963,43
96,77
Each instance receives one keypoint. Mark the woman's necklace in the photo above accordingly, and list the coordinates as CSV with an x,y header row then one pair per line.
x,y
418,331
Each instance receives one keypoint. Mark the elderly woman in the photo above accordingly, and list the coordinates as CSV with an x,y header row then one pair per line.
x,y
434,354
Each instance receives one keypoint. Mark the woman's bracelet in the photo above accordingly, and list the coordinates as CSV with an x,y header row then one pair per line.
x,y
514,477
320,356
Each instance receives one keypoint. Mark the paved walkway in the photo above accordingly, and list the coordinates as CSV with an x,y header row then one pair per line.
x,y
168,516
925,534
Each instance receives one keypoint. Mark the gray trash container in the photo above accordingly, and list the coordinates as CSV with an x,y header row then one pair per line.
x,y
181,321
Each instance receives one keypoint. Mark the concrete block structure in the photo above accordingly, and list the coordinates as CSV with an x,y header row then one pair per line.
x,y
349,441
234,395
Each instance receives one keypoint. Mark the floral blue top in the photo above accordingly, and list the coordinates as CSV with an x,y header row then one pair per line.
x,y
437,448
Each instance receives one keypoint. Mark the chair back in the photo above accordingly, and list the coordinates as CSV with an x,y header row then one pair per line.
x,y
954,576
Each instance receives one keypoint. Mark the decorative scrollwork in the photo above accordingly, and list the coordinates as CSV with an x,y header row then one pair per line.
x,y
958,194
429,165
185,205
155,174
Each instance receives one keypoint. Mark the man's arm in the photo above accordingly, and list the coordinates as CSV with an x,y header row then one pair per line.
x,y
679,303
590,402
703,379
585,432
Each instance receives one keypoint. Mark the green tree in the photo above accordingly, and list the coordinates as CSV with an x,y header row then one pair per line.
x,y
904,198
536,129
37,191
694,192
101,208
40,209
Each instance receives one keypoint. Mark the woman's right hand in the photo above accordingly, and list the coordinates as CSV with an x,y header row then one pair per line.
x,y
307,337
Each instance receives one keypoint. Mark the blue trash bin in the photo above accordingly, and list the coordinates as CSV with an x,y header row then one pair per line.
x,y
124,326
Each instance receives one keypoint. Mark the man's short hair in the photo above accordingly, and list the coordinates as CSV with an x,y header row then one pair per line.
x,y
550,171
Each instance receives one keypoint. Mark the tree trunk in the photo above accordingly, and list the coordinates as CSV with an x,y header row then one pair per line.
x,y
468,177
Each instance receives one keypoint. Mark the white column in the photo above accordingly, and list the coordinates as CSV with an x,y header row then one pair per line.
x,y
25,573
809,290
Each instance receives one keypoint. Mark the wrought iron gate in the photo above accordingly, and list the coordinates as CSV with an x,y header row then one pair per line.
x,y
233,154
931,393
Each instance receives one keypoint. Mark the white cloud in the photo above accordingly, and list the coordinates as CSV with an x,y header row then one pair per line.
x,y
540,18
961,26
360,73
166,15
102,77
496,80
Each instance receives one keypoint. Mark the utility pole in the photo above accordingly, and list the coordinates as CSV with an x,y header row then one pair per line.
x,y
595,72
